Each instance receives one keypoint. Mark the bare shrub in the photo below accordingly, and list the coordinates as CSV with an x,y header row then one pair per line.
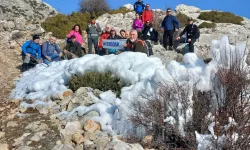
x,y
227,104
96,7
153,111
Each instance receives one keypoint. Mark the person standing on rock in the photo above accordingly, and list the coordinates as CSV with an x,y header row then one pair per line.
x,y
192,34
137,24
51,51
139,6
105,34
76,31
31,53
93,30
169,25
147,14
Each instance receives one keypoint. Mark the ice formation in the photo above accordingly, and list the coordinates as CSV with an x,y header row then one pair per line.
x,y
144,73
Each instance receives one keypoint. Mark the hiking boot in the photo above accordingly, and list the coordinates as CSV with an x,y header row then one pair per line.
x,y
25,67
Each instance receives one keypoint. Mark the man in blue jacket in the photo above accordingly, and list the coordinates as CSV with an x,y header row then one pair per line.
x,y
31,52
169,25
50,51
139,6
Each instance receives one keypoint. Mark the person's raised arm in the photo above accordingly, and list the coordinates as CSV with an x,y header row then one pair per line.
x,y
70,33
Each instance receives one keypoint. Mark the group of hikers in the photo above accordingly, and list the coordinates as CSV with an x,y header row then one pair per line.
x,y
139,39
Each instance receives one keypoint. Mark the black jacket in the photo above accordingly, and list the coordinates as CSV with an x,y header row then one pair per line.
x,y
149,33
75,48
191,30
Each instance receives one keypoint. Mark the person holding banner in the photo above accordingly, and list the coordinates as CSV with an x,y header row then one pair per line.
x,y
135,44
113,36
105,34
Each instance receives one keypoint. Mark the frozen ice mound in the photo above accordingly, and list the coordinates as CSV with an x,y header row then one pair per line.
x,y
142,72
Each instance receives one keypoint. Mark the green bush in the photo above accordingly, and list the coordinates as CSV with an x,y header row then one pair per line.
x,y
101,81
207,25
221,17
61,24
122,10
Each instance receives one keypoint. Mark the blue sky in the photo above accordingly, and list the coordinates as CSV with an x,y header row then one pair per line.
x,y
238,7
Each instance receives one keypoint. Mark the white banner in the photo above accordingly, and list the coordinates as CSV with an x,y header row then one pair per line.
x,y
114,44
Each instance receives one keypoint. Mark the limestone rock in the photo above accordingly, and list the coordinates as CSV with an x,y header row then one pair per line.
x,y
92,126
78,138
147,140
120,145
100,139
83,96
88,116
3,146
186,9
20,23
25,148
70,129
37,126
12,124
128,6
9,25
32,10
2,134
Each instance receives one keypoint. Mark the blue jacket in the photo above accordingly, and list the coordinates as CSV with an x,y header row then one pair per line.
x,y
48,49
32,48
139,7
169,23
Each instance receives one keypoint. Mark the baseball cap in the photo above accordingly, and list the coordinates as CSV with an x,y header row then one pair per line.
x,y
169,9
147,5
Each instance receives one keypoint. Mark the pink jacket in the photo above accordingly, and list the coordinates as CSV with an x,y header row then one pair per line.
x,y
78,36
137,24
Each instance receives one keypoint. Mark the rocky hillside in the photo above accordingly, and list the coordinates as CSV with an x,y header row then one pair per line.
x,y
20,14
236,33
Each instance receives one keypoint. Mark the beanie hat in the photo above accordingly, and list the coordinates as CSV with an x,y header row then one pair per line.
x,y
35,37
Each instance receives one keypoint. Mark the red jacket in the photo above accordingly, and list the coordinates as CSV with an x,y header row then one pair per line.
x,y
104,36
147,15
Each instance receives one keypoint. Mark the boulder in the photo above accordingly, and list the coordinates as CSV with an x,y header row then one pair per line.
x,y
88,116
147,140
120,145
37,126
20,23
70,129
9,25
128,6
2,134
3,146
184,9
97,139
83,96
78,138
92,126
12,124
25,148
